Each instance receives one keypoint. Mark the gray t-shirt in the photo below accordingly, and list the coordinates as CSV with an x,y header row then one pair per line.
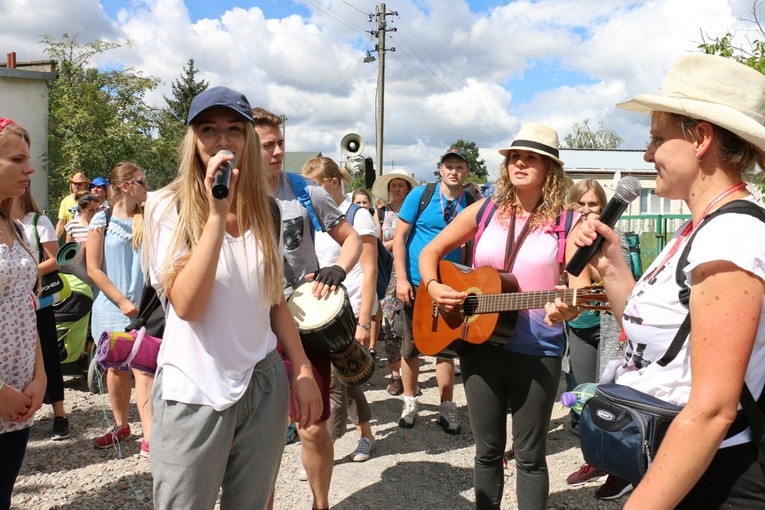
x,y
297,240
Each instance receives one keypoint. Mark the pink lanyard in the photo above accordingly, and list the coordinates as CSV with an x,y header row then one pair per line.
x,y
689,228
453,212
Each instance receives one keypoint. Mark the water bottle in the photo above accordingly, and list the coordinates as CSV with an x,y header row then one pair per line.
x,y
575,399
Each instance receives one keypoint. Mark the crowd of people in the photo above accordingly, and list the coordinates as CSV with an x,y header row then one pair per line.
x,y
235,369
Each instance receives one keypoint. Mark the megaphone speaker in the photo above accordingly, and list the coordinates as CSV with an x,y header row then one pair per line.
x,y
352,144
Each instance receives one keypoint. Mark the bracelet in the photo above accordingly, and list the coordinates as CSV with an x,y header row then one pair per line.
x,y
429,282
2,383
364,325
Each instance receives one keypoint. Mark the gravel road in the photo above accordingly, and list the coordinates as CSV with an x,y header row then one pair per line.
x,y
419,468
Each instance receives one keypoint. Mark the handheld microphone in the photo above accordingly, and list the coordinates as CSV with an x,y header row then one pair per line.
x,y
627,190
222,176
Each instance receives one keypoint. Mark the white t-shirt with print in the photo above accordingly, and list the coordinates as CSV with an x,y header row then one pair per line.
x,y
327,251
653,312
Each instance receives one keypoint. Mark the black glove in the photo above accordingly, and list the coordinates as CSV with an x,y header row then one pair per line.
x,y
332,275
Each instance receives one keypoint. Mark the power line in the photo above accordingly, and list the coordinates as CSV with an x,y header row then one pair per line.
x,y
340,19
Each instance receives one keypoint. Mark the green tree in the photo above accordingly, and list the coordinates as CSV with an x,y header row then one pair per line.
x,y
478,171
583,137
172,123
96,118
752,54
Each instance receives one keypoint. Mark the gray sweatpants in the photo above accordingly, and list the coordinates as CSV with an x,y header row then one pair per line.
x,y
196,450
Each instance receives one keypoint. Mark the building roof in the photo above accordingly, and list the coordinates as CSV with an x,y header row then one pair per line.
x,y
294,161
598,161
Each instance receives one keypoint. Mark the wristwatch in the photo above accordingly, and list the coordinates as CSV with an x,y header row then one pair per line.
x,y
365,325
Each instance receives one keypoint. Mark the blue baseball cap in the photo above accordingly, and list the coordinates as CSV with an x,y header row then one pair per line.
x,y
99,181
219,97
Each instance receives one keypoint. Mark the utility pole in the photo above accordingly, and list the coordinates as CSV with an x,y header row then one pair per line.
x,y
380,48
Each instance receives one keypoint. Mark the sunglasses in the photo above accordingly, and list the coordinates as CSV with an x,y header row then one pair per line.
x,y
140,182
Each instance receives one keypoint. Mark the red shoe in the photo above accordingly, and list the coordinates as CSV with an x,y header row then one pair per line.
x,y
144,448
115,435
586,474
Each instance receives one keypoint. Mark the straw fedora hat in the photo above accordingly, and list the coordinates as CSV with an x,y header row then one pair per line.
x,y
78,178
380,187
716,89
536,138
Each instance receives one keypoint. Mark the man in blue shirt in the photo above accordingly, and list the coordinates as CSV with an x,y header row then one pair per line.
x,y
414,230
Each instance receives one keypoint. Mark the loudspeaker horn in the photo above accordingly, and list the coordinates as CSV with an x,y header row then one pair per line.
x,y
352,144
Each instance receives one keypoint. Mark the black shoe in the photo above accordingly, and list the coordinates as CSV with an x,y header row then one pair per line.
x,y
60,428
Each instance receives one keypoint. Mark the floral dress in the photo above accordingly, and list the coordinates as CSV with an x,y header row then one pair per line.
x,y
18,323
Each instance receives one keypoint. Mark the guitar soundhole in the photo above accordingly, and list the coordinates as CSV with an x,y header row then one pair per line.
x,y
470,305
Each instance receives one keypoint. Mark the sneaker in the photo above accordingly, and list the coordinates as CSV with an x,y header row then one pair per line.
x,y
363,449
395,386
116,434
409,413
614,488
60,428
507,457
144,449
447,417
457,371
586,474
303,475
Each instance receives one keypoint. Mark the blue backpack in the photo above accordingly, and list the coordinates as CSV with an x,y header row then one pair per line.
x,y
384,257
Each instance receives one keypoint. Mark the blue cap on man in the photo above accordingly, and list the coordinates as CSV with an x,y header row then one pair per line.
x,y
99,181
219,97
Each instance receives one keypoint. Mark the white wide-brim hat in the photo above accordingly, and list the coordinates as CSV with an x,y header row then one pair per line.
x,y
536,138
380,186
716,89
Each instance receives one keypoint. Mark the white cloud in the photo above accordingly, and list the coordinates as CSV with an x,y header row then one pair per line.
x,y
456,73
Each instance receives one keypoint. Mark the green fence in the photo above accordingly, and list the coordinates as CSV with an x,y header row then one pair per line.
x,y
654,230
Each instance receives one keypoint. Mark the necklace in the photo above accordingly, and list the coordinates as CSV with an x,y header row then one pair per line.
x,y
690,227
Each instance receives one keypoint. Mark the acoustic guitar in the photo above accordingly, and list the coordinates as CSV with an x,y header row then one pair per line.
x,y
488,313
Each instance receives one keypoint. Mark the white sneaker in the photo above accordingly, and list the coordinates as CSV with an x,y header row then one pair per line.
x,y
409,413
303,475
447,417
363,449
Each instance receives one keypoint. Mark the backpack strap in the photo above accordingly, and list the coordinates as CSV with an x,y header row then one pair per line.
x,y
35,219
351,213
299,187
562,229
430,188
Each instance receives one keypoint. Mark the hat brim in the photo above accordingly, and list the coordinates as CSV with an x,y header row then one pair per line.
x,y
719,115
505,152
380,186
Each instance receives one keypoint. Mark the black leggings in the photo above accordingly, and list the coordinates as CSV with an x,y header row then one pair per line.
x,y
46,328
495,378
13,445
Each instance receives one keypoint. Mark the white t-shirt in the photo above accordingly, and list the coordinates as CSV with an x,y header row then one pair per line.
x,y
653,312
45,232
327,251
210,361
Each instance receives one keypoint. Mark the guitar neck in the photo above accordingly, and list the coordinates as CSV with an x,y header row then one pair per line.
x,y
511,301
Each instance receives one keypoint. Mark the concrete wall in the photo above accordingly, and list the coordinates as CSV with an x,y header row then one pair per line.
x,y
24,98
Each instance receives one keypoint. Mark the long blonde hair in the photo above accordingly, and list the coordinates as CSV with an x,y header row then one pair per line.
x,y
553,193
253,211
579,188
123,172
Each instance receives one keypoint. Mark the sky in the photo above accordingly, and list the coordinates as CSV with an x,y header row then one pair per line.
x,y
475,70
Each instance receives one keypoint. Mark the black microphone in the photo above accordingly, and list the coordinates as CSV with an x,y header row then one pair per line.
x,y
222,176
627,190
